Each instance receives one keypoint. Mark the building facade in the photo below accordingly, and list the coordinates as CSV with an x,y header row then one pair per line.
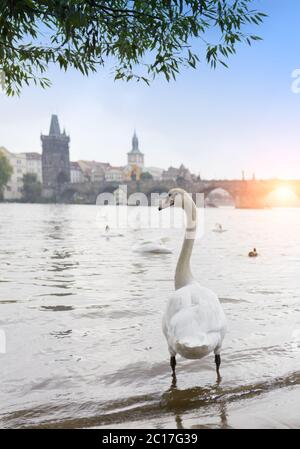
x,y
76,173
114,174
34,165
155,172
22,164
175,173
55,156
94,171
13,189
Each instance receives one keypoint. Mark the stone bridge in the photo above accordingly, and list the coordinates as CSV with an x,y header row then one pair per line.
x,y
246,194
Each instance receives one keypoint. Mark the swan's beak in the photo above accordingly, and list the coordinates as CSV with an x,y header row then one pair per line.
x,y
165,203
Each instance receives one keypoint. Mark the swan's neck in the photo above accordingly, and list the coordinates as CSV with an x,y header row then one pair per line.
x,y
183,274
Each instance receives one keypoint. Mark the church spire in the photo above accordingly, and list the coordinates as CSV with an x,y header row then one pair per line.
x,y
135,143
54,126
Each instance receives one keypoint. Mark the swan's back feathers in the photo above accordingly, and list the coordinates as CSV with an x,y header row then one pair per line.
x,y
194,322
152,247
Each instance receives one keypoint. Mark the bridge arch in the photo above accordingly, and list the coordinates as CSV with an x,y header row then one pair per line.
x,y
69,195
215,196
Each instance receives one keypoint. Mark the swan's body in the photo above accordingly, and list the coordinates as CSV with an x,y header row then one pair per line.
x,y
156,247
194,323
137,223
109,233
219,228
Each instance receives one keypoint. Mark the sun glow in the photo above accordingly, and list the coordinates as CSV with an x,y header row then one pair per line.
x,y
285,194
283,197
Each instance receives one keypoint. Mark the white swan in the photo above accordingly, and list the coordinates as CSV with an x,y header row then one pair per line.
x,y
109,233
194,323
137,223
219,228
154,247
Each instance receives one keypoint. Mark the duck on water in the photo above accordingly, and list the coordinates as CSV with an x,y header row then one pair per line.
x,y
253,253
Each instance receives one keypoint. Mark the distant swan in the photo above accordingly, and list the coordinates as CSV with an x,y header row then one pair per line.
x,y
218,228
108,233
155,247
137,222
253,253
194,322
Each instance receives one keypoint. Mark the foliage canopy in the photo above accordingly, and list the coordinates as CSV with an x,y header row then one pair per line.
x,y
143,38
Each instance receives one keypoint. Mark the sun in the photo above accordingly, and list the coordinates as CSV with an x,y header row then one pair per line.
x,y
285,194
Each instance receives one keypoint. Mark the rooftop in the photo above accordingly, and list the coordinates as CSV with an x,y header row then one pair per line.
x,y
135,145
33,155
75,165
54,126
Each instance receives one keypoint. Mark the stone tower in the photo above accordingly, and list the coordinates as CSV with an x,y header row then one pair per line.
x,y
135,156
55,156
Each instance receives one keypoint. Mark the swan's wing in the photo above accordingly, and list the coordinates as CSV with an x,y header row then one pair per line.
x,y
153,248
194,318
199,300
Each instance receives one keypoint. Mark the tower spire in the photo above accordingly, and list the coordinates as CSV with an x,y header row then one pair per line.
x,y
54,126
135,142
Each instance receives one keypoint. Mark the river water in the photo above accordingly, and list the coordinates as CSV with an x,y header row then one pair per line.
x,y
81,314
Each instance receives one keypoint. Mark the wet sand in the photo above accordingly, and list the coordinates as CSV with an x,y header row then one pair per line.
x,y
273,410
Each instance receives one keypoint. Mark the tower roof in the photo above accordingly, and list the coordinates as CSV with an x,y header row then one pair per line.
x,y
54,126
54,132
135,144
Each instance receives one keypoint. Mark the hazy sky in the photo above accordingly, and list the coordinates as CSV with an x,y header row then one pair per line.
x,y
215,122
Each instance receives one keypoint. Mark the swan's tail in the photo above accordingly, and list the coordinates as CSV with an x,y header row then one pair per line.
x,y
193,348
